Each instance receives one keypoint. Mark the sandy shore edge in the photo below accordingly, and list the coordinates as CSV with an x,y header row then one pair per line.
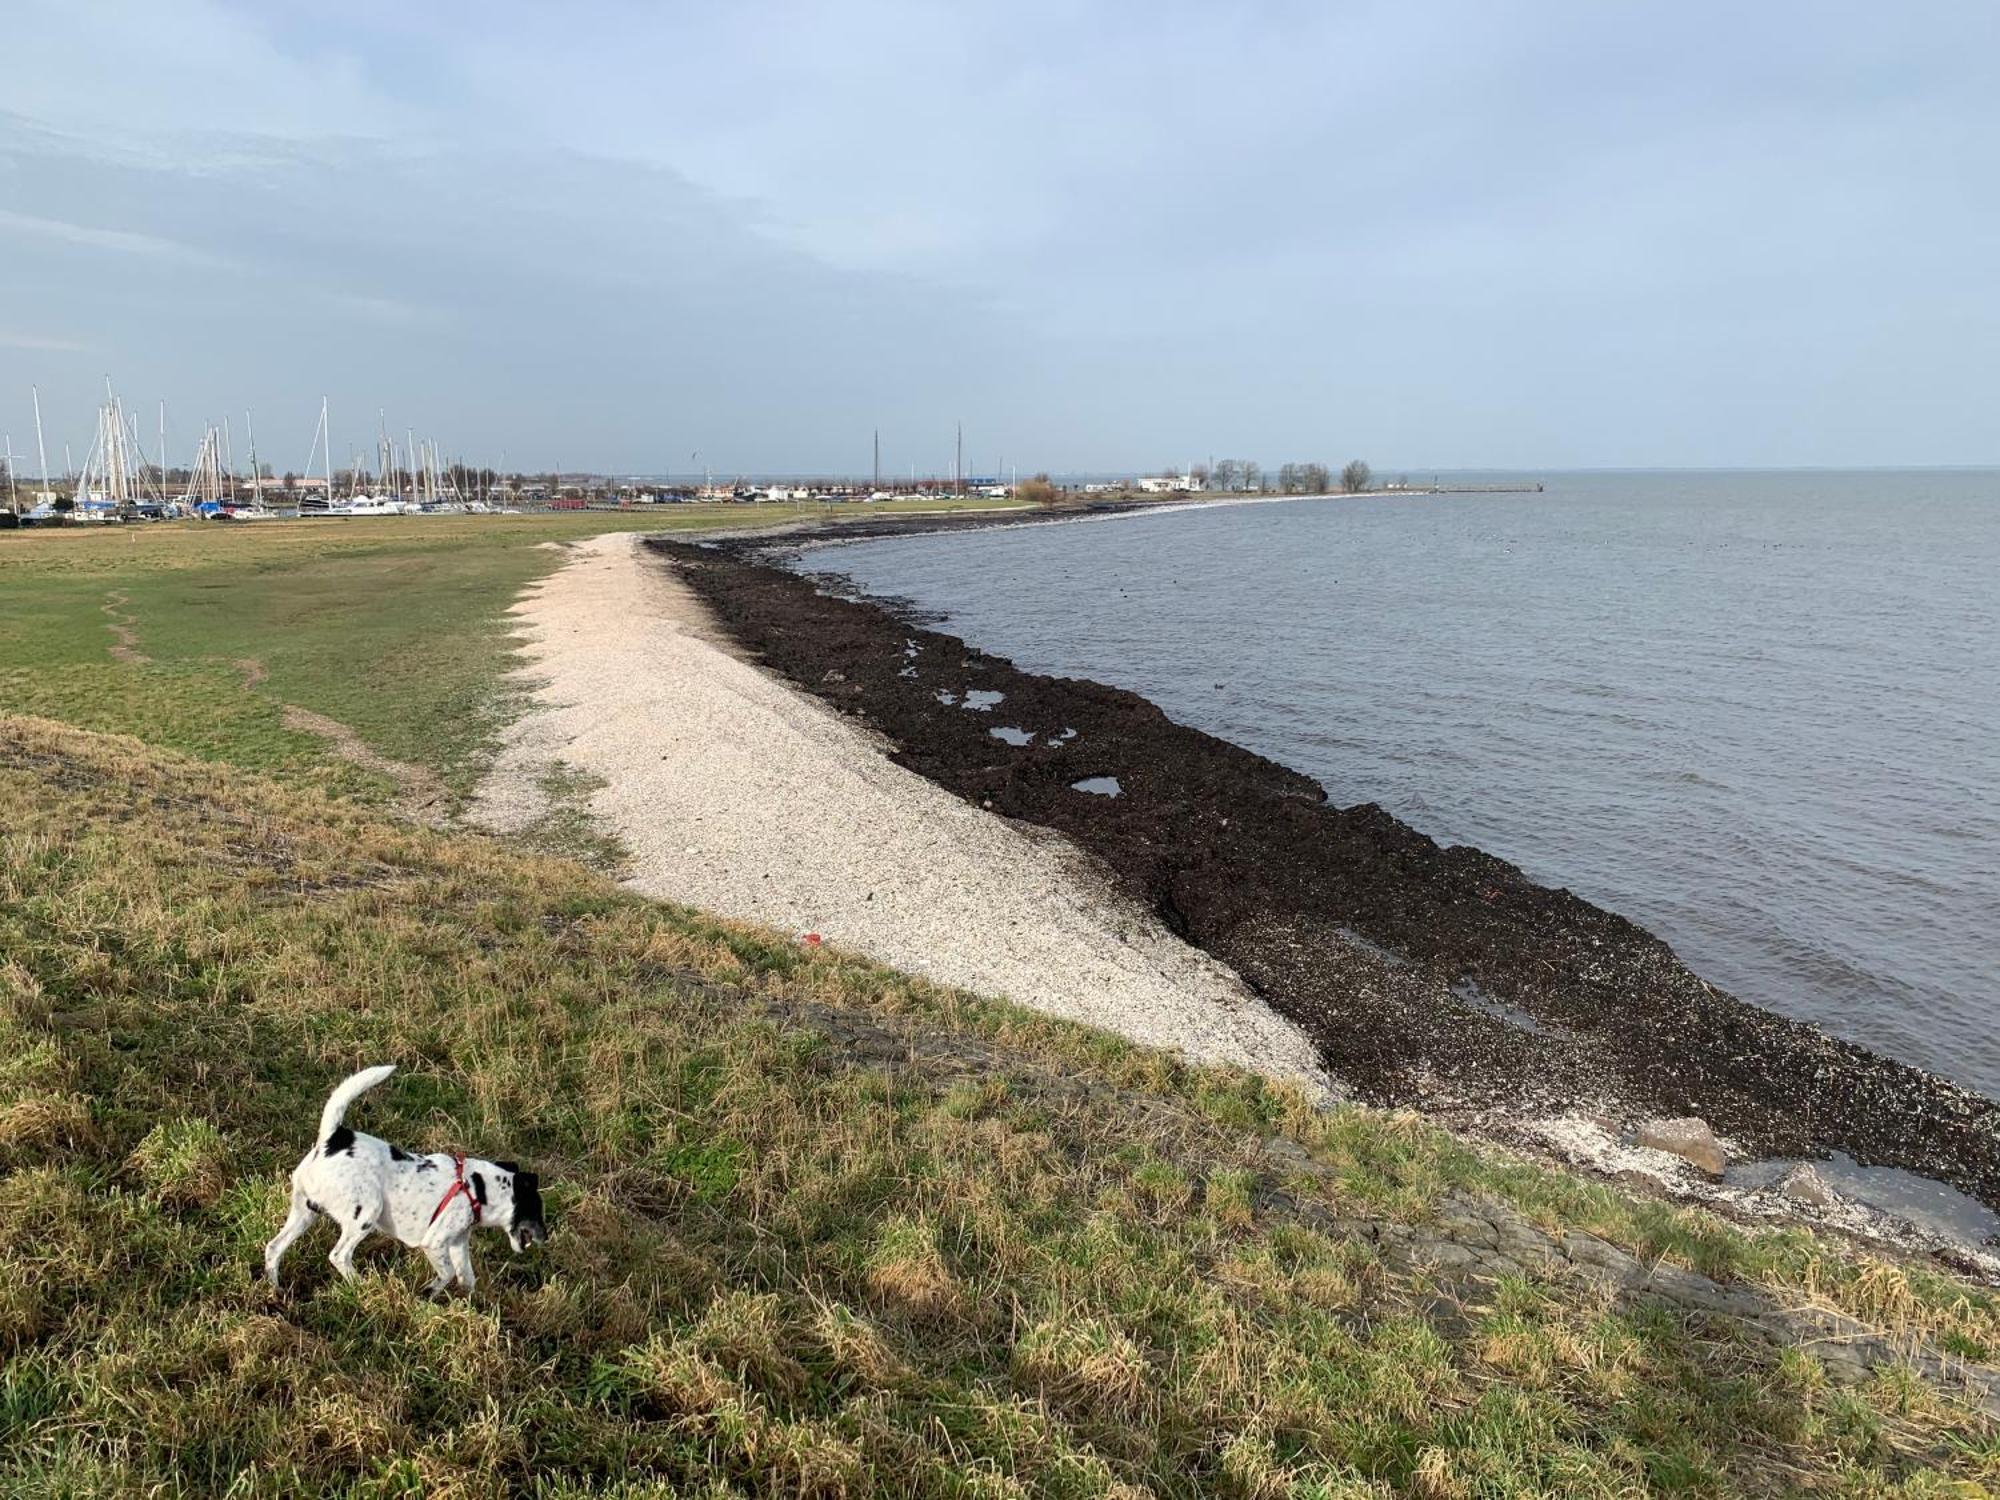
x,y
735,793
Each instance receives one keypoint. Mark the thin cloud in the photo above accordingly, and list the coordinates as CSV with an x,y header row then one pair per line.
x,y
118,241
39,343
386,309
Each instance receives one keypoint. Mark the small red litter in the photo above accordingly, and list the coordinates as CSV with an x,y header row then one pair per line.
x,y
810,939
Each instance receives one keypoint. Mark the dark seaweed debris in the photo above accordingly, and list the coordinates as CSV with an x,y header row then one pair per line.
x,y
1366,933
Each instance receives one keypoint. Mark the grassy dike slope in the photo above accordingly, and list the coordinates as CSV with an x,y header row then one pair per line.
x,y
818,1228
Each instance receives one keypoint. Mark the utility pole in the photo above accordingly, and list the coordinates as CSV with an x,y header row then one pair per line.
x,y
878,458
11,503
958,462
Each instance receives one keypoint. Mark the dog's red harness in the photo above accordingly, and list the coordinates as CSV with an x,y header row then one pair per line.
x,y
457,1186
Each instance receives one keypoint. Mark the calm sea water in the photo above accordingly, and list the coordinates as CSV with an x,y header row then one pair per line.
x,y
1758,714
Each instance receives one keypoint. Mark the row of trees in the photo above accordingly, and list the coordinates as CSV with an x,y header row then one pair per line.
x,y
1240,474
1304,479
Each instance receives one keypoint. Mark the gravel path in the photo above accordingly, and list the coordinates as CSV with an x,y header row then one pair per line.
x,y
738,795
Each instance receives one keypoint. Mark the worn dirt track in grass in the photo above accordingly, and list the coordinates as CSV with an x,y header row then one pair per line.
x,y
420,795
124,633
1389,950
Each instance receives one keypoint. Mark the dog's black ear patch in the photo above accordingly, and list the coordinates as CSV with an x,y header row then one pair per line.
x,y
340,1139
528,1199
479,1187
397,1153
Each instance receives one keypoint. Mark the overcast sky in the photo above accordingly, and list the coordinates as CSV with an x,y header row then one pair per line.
x,y
610,235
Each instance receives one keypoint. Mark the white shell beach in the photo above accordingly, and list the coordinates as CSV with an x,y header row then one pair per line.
x,y
737,794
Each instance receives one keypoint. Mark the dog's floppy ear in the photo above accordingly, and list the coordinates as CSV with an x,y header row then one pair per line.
x,y
528,1198
478,1180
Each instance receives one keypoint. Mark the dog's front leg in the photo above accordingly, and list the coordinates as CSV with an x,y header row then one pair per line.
x,y
440,1259
461,1258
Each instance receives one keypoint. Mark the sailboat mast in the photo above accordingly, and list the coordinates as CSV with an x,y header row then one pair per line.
x,y
40,449
117,459
107,443
256,479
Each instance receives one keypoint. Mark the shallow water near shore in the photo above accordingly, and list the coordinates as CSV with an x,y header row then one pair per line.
x,y
1759,714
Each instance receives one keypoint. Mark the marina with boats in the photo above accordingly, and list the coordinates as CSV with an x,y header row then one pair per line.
x,y
121,481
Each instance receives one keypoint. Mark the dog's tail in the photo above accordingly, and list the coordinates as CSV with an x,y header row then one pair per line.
x,y
346,1093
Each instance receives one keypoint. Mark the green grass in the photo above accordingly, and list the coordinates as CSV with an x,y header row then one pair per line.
x,y
817,1228
394,628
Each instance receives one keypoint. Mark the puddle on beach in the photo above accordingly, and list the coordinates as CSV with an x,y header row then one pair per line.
x,y
1375,951
1098,786
981,699
1013,736
1470,995
946,697
1068,734
1925,1202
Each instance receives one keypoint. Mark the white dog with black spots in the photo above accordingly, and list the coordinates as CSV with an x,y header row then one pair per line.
x,y
432,1203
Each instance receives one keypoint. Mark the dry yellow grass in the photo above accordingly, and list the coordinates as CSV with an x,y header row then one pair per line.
x,y
787,1258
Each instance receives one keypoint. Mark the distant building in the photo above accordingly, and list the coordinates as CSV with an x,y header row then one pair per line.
x,y
1169,484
